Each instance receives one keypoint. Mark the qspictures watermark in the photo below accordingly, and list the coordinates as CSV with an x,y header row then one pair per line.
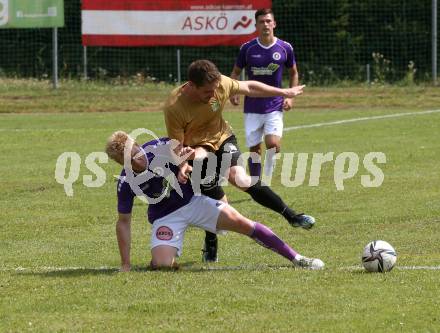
x,y
297,169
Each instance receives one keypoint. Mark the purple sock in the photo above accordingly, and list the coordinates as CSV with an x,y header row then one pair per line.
x,y
254,168
267,238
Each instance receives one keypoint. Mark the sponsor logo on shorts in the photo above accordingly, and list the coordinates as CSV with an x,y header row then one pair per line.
x,y
230,148
210,180
164,233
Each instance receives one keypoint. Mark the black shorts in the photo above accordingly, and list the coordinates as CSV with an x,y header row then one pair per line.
x,y
228,152
227,156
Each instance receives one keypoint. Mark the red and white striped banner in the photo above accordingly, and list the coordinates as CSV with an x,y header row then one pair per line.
x,y
168,22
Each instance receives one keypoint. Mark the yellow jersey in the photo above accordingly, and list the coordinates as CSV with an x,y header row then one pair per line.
x,y
196,123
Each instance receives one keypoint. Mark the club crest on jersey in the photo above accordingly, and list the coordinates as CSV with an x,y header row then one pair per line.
x,y
276,56
215,105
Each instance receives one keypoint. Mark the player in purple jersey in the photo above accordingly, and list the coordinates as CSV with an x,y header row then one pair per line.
x,y
157,189
172,209
264,59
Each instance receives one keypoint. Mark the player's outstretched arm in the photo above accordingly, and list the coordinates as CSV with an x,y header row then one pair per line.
x,y
258,89
123,235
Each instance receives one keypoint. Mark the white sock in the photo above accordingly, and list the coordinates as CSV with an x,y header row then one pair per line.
x,y
269,165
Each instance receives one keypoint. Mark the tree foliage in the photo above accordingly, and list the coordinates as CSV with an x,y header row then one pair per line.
x,y
333,40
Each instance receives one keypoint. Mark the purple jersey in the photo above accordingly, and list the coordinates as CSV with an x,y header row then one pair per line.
x,y
154,188
265,64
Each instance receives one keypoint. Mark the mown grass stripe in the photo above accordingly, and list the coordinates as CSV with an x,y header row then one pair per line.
x,y
354,120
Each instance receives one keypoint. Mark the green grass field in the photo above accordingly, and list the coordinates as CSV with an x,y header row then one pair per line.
x,y
58,254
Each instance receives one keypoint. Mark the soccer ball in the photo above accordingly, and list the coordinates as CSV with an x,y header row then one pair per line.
x,y
379,256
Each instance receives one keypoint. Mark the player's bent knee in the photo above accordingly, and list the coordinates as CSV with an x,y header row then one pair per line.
x,y
232,220
277,147
161,264
163,257
255,149
239,178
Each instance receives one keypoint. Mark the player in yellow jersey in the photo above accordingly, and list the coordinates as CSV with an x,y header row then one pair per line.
x,y
193,116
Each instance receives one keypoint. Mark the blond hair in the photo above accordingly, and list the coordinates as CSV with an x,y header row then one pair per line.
x,y
116,145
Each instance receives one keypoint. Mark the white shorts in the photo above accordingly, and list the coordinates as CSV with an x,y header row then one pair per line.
x,y
201,212
258,125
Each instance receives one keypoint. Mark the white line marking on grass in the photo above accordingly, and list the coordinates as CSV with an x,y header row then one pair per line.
x,y
416,268
58,130
286,129
354,120
54,269
400,268
48,269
